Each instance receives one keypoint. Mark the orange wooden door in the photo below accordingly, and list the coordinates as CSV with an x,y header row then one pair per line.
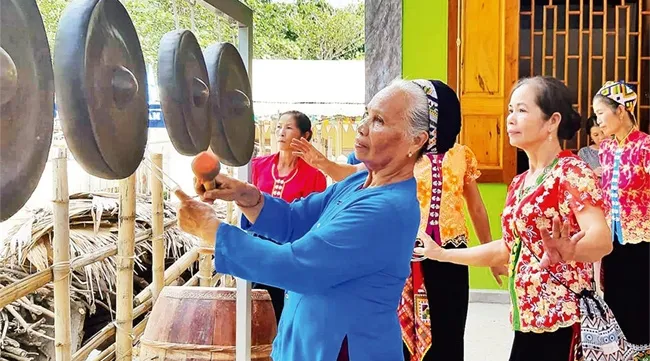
x,y
488,55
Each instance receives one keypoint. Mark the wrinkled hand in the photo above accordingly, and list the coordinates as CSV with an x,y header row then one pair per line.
x,y
228,189
196,218
558,246
498,272
304,149
429,249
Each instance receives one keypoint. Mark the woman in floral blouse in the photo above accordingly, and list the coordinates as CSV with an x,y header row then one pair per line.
x,y
625,159
553,226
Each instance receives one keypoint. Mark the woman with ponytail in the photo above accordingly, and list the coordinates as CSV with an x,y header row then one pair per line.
x,y
625,158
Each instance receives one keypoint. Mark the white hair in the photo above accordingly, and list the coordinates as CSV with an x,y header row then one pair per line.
x,y
418,110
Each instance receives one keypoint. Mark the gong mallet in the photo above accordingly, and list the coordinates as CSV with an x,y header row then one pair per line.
x,y
206,168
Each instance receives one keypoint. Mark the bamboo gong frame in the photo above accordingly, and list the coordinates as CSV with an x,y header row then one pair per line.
x,y
123,328
124,261
61,267
158,243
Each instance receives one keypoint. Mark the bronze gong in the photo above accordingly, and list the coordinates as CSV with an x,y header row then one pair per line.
x,y
26,101
184,92
233,125
100,78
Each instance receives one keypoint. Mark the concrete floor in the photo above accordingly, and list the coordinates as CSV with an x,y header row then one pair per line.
x,y
488,335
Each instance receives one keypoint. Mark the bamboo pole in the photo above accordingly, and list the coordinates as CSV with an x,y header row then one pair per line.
x,y
31,283
109,330
124,261
157,240
106,333
339,138
229,207
171,273
61,266
109,352
205,264
274,137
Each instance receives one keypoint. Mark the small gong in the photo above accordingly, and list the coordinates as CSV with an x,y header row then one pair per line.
x,y
184,92
26,101
233,125
100,78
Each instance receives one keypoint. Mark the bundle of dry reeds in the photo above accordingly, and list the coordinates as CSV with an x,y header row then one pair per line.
x,y
26,325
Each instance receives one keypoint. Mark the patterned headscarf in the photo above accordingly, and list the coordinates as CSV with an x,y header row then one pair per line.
x,y
619,92
432,99
413,311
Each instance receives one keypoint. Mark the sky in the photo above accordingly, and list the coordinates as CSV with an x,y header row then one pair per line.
x,y
335,3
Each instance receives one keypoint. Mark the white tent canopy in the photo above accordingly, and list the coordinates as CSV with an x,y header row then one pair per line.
x,y
314,87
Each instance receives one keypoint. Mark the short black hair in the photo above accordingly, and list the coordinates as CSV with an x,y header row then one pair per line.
x,y
552,96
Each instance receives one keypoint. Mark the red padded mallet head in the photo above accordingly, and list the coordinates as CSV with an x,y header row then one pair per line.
x,y
206,168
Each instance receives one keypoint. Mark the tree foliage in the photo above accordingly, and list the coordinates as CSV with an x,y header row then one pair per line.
x,y
306,29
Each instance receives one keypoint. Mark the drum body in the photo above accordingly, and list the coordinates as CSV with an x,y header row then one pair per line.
x,y
198,323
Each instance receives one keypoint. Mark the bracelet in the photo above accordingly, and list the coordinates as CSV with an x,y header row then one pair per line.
x,y
259,200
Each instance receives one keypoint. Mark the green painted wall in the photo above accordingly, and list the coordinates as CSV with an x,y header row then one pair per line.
x,y
424,39
494,197
424,55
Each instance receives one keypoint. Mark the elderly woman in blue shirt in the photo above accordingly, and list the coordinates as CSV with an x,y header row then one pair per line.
x,y
343,255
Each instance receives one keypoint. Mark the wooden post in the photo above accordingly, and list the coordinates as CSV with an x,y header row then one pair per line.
x,y
229,206
157,240
274,137
339,138
205,256
124,261
61,267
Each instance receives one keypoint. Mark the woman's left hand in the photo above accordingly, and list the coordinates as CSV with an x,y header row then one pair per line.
x,y
430,249
197,218
558,245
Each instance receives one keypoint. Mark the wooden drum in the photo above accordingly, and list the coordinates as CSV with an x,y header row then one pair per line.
x,y
198,323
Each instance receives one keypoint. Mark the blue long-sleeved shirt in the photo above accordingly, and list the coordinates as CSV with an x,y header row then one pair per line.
x,y
343,257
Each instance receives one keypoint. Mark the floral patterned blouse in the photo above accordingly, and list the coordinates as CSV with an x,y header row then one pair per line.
x,y
459,167
626,182
540,303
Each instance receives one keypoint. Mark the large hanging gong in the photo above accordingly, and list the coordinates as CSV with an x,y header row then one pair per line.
x,y
100,78
26,101
184,92
233,125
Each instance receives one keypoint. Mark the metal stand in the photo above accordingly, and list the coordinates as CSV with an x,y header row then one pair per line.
x,y
244,319
244,16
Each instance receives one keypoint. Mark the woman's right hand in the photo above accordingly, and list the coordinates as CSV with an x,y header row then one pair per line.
x,y
304,149
429,249
228,189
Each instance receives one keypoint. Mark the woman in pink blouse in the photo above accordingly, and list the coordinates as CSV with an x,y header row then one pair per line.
x,y
625,159
283,175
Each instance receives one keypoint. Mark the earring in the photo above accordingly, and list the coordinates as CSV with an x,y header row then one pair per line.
x,y
550,138
410,154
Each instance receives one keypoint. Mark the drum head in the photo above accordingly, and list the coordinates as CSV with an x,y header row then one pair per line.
x,y
100,78
233,124
27,103
184,92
